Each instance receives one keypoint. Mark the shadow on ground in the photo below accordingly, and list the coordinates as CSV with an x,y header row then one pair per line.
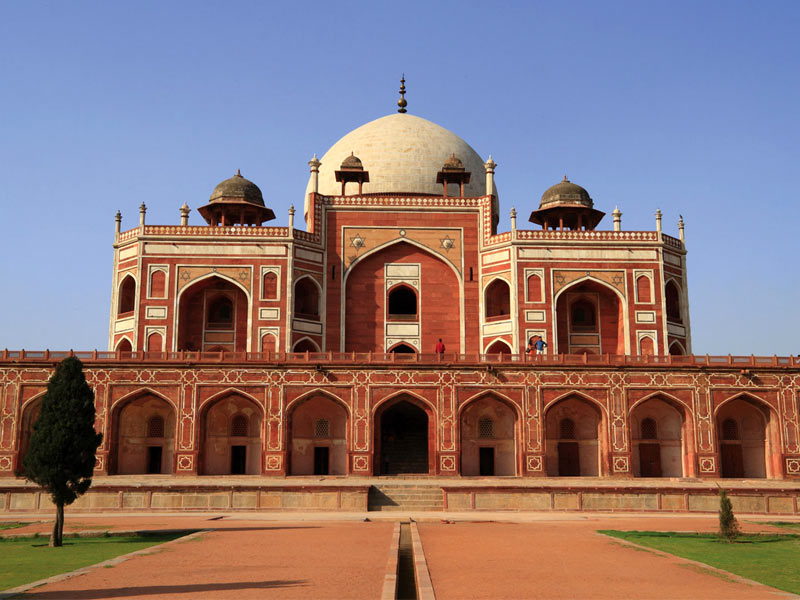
x,y
164,590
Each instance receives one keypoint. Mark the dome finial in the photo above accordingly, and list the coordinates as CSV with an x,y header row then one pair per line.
x,y
402,102
238,173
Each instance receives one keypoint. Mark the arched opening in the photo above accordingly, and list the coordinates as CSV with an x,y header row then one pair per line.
x,y
155,343
676,349
403,434
590,320
318,437
158,284
127,296
673,299
572,438
124,346
657,439
29,415
402,349
143,436
497,300
269,286
488,429
643,295
498,347
306,299
305,345
231,437
212,316
534,288
742,433
402,303
646,346
366,300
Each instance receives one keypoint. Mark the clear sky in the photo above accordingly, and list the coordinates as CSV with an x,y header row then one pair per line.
x,y
690,107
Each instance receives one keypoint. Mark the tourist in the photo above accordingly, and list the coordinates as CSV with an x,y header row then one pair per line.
x,y
439,347
540,345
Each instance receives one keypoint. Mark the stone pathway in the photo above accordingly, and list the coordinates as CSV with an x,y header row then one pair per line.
x,y
530,555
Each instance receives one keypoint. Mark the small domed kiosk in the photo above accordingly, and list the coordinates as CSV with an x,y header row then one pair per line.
x,y
566,205
236,201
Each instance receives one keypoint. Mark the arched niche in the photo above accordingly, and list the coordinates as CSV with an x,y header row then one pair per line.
x,y
29,415
401,303
748,436
307,299
213,313
488,430
402,348
659,429
590,319
158,284
126,296
224,450
317,437
498,347
305,345
124,346
138,444
404,437
497,300
269,286
573,438
672,295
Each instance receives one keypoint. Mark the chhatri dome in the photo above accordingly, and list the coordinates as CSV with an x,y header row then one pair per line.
x,y
403,155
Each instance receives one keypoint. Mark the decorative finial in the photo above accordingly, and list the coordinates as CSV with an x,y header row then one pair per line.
x,y
565,178
238,173
402,102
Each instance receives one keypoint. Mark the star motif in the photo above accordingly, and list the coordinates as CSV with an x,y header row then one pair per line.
x,y
447,243
560,279
243,275
357,241
617,279
185,276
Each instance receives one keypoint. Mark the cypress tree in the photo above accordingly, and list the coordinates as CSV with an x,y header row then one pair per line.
x,y
61,457
728,525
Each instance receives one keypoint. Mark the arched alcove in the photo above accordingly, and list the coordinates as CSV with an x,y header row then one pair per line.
x,y
402,303
126,296
226,448
498,347
29,415
305,345
317,437
673,300
590,318
306,299
143,436
572,438
488,430
743,432
403,432
212,316
497,300
657,438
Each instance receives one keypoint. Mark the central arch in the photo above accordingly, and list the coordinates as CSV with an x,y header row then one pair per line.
x,y
317,443
230,436
213,315
488,431
404,437
591,318
573,440
142,435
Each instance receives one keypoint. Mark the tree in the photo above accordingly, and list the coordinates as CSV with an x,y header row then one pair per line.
x,y
60,456
728,525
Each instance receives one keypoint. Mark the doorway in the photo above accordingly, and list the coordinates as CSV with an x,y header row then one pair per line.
x,y
569,459
154,454
238,460
321,460
650,459
486,460
404,440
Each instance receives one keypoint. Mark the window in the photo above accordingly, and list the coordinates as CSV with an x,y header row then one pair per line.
x,y
155,427
730,430
158,284
306,298
567,429
403,349
402,302
643,289
220,313
583,315
498,299
485,428
534,288
322,428
239,426
649,429
269,286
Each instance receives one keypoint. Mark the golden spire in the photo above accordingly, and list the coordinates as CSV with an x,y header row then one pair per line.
x,y
402,102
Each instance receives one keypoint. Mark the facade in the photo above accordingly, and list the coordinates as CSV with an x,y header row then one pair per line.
x,y
238,347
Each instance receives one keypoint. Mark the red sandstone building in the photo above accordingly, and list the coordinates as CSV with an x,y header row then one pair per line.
x,y
238,347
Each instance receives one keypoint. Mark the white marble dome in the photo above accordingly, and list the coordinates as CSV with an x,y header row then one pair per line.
x,y
402,153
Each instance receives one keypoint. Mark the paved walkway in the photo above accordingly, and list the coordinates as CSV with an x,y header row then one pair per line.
x,y
292,555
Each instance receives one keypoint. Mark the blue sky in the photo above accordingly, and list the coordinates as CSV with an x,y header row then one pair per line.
x,y
690,107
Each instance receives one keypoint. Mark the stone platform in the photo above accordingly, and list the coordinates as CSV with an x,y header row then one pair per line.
x,y
163,493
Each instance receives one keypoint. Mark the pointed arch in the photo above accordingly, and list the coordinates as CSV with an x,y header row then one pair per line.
x,y
126,295
488,434
677,403
404,434
305,340
495,394
499,342
388,244
402,348
681,350
761,403
221,453
307,301
317,392
431,407
143,391
575,393
122,348
497,299
673,299
131,449
229,392
582,448
313,450
29,414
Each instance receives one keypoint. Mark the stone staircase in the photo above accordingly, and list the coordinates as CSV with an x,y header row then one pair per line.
x,y
407,454
412,497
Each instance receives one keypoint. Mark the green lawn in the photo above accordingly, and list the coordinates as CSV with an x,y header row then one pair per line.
x,y
785,524
11,524
769,559
30,559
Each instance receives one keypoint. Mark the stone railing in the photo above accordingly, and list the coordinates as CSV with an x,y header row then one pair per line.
x,y
379,358
194,230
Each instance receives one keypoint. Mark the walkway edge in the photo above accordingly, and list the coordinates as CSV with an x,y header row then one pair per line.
x,y
390,578
11,593
424,583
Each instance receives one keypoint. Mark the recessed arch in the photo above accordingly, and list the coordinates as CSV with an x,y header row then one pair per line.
x,y
132,449
578,450
221,453
318,392
124,344
495,394
498,346
29,413
404,429
672,299
386,245
402,302
661,437
307,297
305,344
755,453
676,402
315,450
599,405
761,403
402,348
676,348
497,299
394,395
126,295
488,431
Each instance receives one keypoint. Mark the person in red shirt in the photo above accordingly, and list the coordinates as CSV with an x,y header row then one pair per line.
x,y
439,347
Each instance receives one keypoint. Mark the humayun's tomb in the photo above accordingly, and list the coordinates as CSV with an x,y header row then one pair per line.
x,y
252,366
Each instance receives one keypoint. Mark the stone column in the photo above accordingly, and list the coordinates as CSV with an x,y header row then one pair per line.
x,y
185,214
617,214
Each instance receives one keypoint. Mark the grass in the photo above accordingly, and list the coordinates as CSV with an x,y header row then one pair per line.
x,y
771,559
11,524
29,559
785,524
